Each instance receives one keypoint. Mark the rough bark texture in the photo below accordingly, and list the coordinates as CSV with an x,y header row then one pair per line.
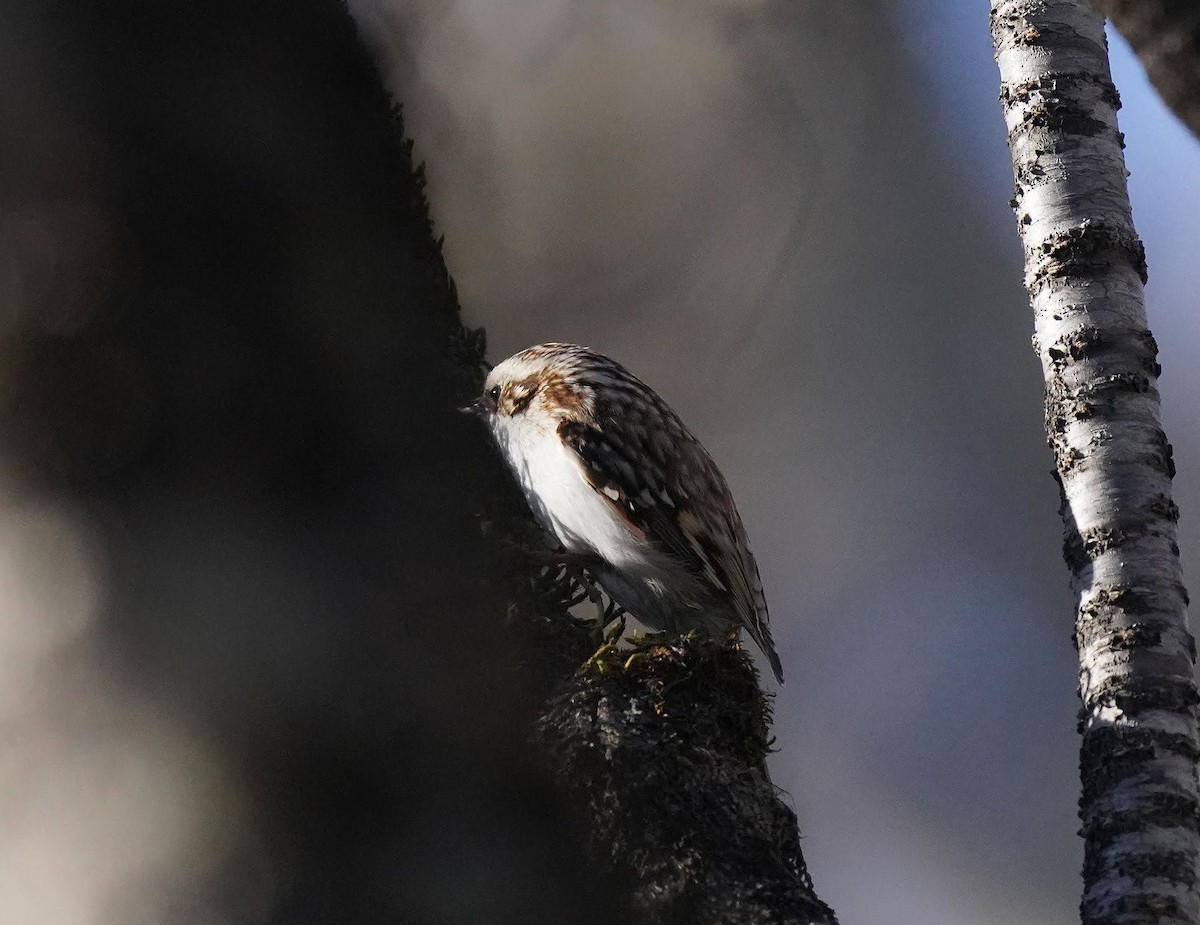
x,y
662,750
1165,34
1085,269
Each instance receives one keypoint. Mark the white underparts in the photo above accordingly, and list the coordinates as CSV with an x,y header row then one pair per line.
x,y
642,579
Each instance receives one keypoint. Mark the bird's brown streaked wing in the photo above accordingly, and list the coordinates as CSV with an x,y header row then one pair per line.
x,y
647,492
752,603
634,491
666,488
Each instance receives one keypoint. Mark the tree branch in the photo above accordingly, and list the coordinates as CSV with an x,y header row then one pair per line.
x,y
1165,35
1085,269
661,750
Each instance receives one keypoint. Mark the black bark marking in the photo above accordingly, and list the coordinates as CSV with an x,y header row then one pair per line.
x,y
1174,695
1091,249
1082,547
1088,342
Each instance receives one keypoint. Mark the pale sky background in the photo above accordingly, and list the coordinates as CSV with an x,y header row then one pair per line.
x,y
722,198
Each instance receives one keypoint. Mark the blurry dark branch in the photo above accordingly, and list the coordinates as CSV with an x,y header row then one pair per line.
x,y
661,751
230,343
1165,35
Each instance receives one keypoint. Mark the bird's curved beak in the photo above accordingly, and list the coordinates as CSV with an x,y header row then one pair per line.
x,y
478,408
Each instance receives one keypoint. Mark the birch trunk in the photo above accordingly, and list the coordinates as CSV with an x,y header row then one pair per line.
x,y
1084,269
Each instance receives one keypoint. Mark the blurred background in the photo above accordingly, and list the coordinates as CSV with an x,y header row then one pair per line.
x,y
225,509
792,219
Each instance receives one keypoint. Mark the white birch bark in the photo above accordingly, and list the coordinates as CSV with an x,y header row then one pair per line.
x,y
1084,269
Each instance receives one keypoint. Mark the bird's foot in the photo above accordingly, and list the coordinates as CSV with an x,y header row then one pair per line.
x,y
613,629
644,645
571,559
649,640
600,656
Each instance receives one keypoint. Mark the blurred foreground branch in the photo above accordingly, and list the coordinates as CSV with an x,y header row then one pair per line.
x,y
1165,35
232,355
1085,269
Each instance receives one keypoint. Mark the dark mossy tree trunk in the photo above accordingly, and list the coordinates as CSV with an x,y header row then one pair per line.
x,y
1085,269
230,345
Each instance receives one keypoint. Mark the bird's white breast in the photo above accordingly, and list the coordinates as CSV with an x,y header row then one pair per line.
x,y
553,481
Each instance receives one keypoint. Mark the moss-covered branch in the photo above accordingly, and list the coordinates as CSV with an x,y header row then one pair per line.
x,y
661,749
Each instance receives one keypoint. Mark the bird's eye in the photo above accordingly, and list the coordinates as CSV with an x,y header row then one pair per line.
x,y
494,395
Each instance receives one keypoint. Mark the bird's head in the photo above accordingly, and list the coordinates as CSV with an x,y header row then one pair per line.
x,y
536,388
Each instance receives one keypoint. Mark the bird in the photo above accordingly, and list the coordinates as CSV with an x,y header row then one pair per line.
x,y
611,471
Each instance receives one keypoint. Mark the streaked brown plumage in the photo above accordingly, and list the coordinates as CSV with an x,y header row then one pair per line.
x,y
611,470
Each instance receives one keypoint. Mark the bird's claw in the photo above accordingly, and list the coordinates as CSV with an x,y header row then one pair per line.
x,y
614,630
648,640
563,559
598,657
